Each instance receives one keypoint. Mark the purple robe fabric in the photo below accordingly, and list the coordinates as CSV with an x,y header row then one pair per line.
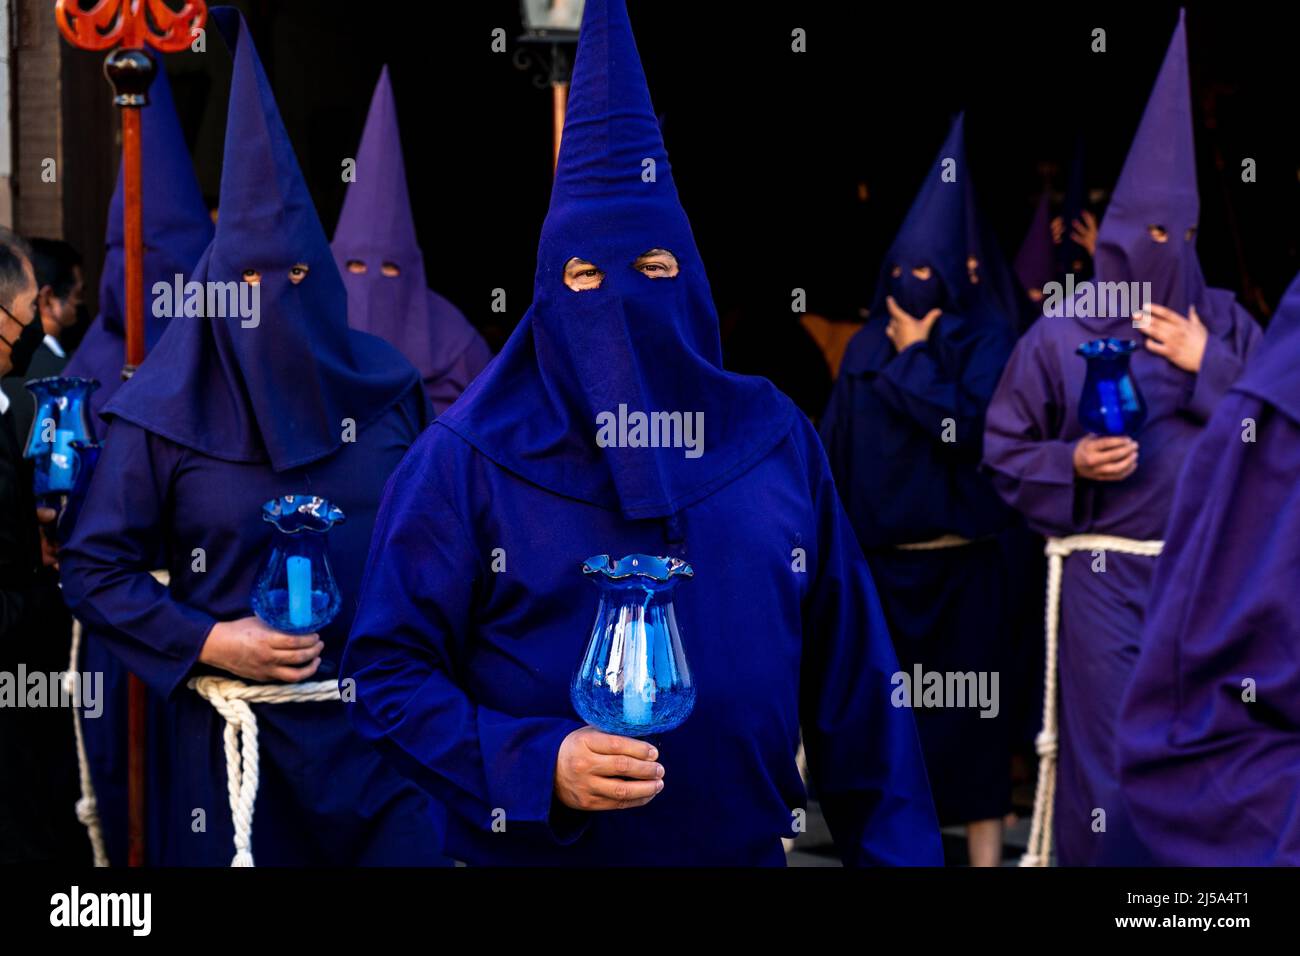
x,y
177,228
376,227
1032,427
1209,765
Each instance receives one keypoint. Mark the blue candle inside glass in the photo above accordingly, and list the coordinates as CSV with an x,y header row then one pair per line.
x,y
300,594
295,590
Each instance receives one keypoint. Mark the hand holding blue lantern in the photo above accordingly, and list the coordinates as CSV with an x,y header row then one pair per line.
x,y
1111,402
295,590
633,678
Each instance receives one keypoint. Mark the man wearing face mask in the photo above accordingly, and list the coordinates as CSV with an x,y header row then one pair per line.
x,y
59,285
1070,483
903,433
31,785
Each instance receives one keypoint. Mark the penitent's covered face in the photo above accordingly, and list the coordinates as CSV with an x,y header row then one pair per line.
x,y
581,275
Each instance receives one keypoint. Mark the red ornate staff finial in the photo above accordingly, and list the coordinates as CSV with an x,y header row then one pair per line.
x,y
130,23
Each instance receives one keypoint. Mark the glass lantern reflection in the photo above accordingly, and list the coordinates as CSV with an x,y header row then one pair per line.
x,y
62,445
1111,402
633,678
295,590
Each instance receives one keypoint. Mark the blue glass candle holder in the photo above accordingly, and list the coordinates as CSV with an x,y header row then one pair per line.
x,y
1111,402
62,447
295,590
633,678
61,425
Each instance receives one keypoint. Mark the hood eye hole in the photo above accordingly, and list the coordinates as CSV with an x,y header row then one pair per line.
x,y
657,264
252,276
923,273
972,269
356,267
1158,233
391,269
1191,233
298,272
581,275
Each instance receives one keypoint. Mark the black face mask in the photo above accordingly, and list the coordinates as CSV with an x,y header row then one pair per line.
x,y
24,347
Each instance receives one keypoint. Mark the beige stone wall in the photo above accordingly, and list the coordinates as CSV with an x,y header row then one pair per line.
x,y
36,126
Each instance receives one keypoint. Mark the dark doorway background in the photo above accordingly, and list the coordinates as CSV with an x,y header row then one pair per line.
x,y
795,168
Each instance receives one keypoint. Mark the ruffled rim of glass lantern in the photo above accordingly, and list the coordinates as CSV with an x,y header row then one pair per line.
x,y
60,381
294,513
638,566
1107,348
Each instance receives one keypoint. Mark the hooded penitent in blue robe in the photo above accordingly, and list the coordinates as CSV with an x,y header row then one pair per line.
x,y
223,417
177,228
376,229
1033,426
475,612
1208,740
903,433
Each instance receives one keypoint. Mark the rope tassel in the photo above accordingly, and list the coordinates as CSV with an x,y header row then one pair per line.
x,y
1039,851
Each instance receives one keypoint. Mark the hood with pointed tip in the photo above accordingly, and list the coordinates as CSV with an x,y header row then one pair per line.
x,y
943,231
177,226
1157,188
283,390
376,227
651,345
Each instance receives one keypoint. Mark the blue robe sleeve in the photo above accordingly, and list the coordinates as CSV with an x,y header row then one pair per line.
x,y
106,566
1031,468
413,626
936,381
864,755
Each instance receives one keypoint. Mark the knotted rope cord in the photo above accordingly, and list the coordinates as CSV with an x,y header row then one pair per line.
x,y
87,806
1039,851
231,698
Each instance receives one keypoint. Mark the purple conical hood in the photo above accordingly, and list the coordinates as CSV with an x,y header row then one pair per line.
x,y
177,227
280,387
647,345
376,228
1157,188
1036,261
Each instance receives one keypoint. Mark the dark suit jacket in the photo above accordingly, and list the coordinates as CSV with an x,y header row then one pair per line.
x,y
38,771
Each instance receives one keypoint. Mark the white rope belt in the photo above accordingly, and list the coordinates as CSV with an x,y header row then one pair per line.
x,y
231,698
943,541
1039,851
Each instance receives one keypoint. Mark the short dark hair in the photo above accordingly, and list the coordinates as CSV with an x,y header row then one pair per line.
x,y
14,254
55,263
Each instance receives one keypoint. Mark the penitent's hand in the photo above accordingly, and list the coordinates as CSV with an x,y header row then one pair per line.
x,y
1178,339
599,771
905,329
1111,458
249,648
